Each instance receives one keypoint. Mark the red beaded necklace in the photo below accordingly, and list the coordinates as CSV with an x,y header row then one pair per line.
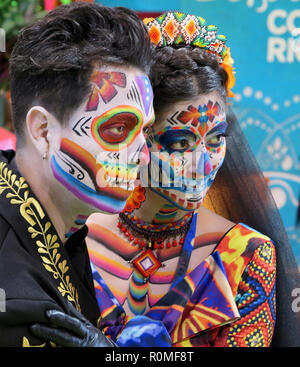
x,y
152,236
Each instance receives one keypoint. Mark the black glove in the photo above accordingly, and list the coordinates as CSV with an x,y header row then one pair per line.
x,y
71,331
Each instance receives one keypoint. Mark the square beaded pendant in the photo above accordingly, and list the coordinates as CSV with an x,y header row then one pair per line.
x,y
146,263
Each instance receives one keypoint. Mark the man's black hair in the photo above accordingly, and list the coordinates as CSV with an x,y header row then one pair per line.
x,y
53,58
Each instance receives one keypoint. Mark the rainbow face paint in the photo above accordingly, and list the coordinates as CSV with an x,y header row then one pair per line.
x,y
187,148
118,126
103,146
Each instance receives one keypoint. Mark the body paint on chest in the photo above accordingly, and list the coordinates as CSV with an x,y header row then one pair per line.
x,y
137,293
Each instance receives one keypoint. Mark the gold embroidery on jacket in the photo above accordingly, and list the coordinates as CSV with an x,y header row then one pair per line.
x,y
27,344
47,244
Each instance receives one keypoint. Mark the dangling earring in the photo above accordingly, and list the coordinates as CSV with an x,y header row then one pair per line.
x,y
44,155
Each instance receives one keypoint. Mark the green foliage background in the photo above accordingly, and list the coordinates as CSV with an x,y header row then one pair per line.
x,y
14,15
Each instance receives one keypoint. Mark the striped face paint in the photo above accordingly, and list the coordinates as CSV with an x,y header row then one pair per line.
x,y
146,93
102,147
187,148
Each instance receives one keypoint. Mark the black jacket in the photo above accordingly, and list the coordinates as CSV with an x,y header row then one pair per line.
x,y
37,272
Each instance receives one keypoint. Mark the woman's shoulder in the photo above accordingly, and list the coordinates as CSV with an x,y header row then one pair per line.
x,y
229,231
235,242
241,245
210,222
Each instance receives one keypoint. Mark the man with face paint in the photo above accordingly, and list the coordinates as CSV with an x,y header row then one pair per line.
x,y
81,100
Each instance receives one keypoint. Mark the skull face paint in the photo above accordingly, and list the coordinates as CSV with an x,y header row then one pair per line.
x,y
103,145
187,147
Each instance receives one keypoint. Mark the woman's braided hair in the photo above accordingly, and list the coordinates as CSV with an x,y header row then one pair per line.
x,y
184,73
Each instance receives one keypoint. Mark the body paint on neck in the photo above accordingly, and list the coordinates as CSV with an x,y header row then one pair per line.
x,y
112,241
110,266
166,214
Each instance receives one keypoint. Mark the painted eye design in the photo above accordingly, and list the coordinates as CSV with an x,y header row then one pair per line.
x,y
113,134
117,130
180,145
215,141
116,127
177,140
216,136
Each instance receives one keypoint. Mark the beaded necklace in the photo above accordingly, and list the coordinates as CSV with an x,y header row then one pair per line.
x,y
152,236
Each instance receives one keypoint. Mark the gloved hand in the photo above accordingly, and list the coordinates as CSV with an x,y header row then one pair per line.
x,y
71,331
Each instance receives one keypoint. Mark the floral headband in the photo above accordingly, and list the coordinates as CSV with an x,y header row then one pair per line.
x,y
176,28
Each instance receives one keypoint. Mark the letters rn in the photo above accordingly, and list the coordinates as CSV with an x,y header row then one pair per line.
x,y
282,49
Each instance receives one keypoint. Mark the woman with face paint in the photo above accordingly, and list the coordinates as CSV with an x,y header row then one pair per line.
x,y
178,267
193,270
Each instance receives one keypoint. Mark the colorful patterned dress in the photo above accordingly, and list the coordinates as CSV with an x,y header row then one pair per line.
x,y
227,300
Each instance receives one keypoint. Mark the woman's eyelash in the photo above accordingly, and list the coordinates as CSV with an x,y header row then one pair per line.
x,y
210,139
220,135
